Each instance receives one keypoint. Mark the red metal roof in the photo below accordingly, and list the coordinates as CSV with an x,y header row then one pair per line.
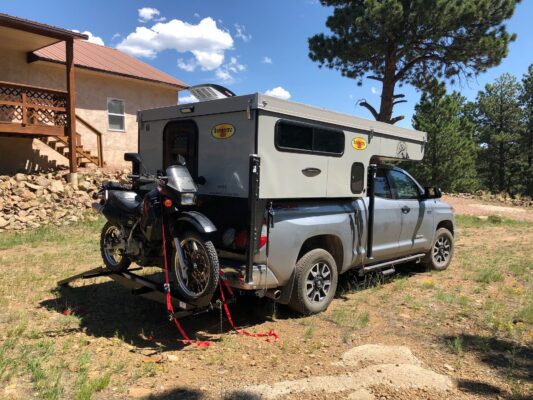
x,y
38,28
108,60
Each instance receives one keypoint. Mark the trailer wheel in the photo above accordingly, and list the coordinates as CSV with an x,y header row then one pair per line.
x,y
441,253
315,282
113,256
200,278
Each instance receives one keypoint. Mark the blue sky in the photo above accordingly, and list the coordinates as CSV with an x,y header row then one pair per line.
x,y
248,46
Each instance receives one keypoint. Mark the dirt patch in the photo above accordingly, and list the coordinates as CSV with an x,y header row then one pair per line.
x,y
393,366
479,208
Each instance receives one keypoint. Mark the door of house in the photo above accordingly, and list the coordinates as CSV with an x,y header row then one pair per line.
x,y
181,138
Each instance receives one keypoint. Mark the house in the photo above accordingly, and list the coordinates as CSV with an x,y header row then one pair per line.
x,y
55,86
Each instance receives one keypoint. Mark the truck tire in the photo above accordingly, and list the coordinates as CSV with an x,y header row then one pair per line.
x,y
441,253
114,259
315,282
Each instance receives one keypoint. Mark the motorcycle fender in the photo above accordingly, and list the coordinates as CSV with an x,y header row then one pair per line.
x,y
200,222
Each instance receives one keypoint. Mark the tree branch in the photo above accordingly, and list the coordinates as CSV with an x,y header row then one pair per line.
x,y
376,78
396,119
363,103
398,102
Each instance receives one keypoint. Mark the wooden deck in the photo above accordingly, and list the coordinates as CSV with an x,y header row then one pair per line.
x,y
32,111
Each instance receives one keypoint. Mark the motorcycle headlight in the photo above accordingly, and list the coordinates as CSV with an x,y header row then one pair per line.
x,y
188,199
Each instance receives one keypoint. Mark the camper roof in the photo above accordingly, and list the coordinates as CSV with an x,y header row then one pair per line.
x,y
276,105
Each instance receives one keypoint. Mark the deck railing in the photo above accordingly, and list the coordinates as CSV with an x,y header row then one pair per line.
x,y
32,110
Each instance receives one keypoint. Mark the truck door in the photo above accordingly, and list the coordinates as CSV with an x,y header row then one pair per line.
x,y
387,224
181,138
417,223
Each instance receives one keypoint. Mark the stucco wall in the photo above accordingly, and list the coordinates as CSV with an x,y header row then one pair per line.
x,y
92,91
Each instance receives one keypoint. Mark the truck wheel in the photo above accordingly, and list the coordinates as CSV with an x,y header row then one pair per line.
x,y
315,282
440,255
111,248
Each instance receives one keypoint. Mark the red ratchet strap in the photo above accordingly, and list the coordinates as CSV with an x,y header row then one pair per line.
x,y
271,336
170,307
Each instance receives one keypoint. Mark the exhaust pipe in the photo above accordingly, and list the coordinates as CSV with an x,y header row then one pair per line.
x,y
372,169
273,294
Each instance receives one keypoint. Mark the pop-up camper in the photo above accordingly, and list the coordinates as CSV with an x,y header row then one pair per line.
x,y
288,189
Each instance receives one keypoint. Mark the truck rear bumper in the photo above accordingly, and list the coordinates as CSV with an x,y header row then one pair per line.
x,y
263,278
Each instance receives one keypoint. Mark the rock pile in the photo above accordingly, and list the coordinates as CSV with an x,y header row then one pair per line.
x,y
30,201
505,198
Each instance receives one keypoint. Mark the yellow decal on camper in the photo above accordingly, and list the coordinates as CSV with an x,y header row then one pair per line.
x,y
359,143
223,131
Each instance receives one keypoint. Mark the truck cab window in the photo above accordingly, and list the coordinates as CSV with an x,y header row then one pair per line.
x,y
405,187
382,187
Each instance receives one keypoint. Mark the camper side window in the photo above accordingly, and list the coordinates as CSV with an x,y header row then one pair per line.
x,y
115,115
303,138
357,177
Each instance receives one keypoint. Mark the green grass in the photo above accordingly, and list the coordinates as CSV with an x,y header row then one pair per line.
x,y
85,386
456,346
470,221
48,233
350,318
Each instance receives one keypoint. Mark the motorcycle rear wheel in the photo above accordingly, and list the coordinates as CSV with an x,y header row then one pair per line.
x,y
199,278
114,259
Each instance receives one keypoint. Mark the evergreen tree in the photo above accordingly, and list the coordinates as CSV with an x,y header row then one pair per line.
x,y
499,132
526,99
450,152
412,41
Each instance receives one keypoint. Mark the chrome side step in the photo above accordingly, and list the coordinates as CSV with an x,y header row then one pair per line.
x,y
381,266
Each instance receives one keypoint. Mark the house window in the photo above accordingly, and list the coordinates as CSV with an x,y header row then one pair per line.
x,y
115,115
297,137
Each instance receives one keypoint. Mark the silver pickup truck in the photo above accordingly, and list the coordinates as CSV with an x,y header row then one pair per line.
x,y
310,242
290,191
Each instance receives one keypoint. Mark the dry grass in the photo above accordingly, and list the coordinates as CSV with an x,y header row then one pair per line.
x,y
97,341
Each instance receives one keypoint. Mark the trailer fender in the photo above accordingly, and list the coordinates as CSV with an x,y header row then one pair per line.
x,y
199,221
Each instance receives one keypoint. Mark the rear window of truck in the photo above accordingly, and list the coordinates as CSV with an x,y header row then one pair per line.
x,y
297,137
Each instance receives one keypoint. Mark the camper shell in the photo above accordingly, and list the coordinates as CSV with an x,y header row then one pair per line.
x,y
279,178
304,151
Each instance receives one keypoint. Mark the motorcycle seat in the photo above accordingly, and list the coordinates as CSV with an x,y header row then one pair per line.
x,y
125,200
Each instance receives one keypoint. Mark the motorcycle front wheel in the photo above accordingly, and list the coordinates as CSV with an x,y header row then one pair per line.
x,y
198,278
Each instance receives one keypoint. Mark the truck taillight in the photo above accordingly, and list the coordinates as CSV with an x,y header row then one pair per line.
x,y
264,236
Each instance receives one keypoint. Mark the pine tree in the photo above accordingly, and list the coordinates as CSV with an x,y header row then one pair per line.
x,y
412,41
450,152
499,130
526,99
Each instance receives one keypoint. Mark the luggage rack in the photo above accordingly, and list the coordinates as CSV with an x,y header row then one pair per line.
x,y
140,286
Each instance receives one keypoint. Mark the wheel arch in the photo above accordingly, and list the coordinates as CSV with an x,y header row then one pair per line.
x,y
446,224
331,243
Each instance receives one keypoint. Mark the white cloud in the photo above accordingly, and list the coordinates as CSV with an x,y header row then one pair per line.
x,y
204,40
150,14
187,99
92,38
241,33
226,73
196,15
116,36
279,92
266,60
374,90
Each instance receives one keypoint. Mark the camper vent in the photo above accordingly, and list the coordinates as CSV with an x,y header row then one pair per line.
x,y
210,92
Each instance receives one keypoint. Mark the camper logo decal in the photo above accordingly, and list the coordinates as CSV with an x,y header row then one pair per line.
x,y
223,131
359,143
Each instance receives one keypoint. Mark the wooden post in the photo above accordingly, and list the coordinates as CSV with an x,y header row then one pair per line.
x,y
71,111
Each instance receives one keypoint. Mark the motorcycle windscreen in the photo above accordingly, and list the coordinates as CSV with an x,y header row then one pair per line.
x,y
180,179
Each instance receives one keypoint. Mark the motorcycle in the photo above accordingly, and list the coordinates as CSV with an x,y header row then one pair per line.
x,y
153,208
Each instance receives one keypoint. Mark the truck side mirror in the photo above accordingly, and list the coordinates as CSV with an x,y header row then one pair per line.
x,y
432,193
136,161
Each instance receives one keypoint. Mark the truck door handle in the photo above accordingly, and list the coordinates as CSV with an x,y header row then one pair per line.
x,y
311,171
405,209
